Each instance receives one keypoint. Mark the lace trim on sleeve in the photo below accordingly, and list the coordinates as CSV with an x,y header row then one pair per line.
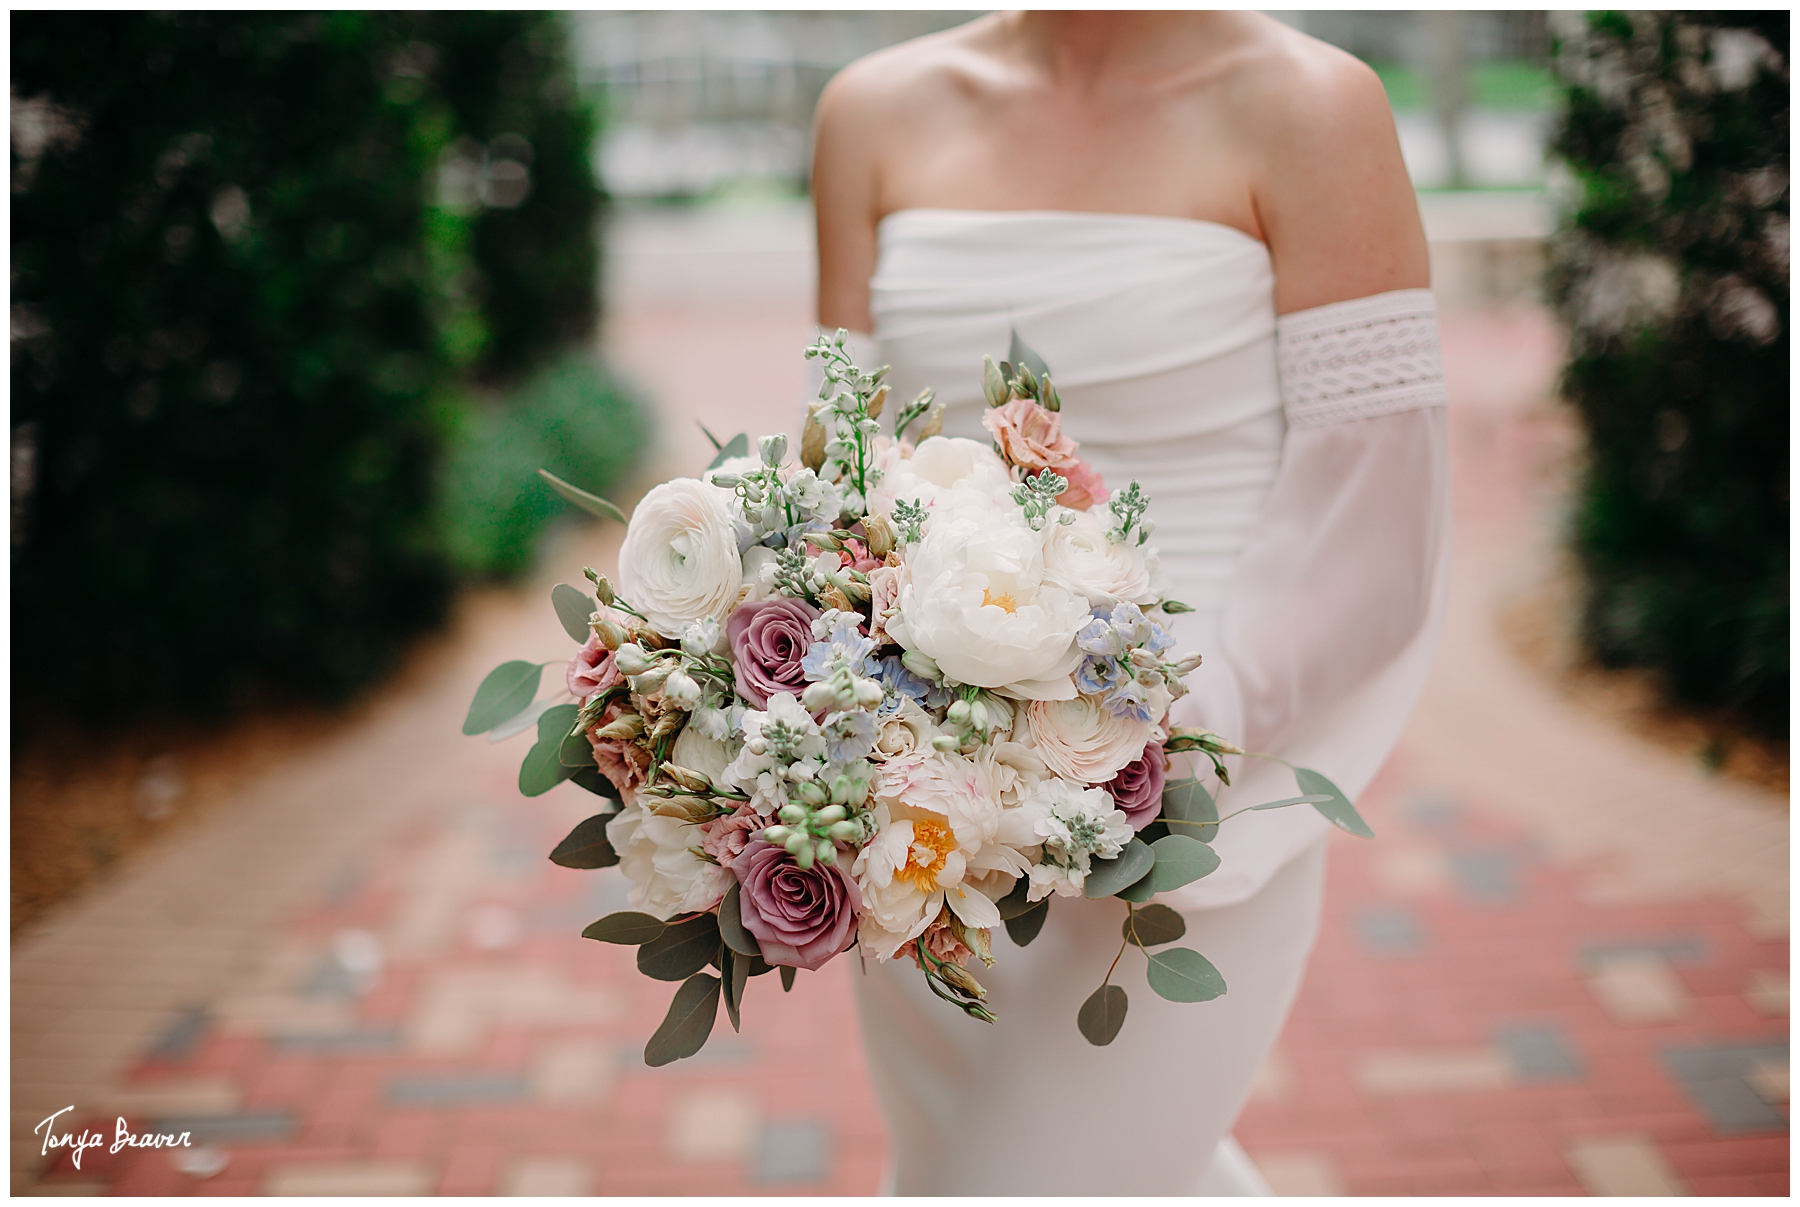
x,y
1361,358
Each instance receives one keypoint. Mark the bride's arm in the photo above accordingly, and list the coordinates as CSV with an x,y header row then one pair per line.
x,y
846,128
1331,616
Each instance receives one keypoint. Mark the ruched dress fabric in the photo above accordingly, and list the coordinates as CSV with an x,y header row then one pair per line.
x,y
1312,540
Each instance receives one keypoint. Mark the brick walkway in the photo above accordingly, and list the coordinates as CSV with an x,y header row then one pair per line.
x,y
1561,969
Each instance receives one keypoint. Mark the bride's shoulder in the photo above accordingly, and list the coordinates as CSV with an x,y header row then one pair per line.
x,y
943,68
1293,95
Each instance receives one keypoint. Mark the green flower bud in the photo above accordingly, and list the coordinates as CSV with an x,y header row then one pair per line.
x,y
796,842
827,853
844,831
777,835
793,815
831,813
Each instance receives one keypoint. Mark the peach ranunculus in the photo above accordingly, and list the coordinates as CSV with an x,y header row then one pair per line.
x,y
1031,438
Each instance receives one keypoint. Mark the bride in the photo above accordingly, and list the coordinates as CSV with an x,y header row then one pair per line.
x,y
1201,221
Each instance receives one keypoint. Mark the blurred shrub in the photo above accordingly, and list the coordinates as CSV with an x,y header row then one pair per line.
x,y
1671,274
571,419
247,275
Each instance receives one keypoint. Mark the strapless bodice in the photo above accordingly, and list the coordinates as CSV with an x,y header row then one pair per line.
x,y
1159,334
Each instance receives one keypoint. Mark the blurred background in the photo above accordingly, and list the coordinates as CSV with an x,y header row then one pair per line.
x,y
301,302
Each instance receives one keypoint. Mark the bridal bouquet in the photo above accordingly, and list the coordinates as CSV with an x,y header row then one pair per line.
x,y
887,697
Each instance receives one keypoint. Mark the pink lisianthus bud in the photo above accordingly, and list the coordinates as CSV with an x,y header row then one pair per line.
x,y
801,917
591,669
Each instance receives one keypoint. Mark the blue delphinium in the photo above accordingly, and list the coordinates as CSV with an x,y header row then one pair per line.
x,y
899,685
845,648
1106,672
849,736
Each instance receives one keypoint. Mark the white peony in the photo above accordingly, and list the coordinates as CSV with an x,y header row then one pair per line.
x,y
680,561
1078,556
1081,740
938,465
697,752
974,598
666,878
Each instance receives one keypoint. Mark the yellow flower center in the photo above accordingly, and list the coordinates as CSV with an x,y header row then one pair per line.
x,y
1004,601
931,846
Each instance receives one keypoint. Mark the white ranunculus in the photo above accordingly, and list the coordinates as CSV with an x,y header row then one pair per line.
x,y
1078,556
666,878
680,561
906,730
974,597
1081,740
938,465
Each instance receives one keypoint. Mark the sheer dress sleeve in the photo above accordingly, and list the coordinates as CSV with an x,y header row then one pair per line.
x,y
1332,614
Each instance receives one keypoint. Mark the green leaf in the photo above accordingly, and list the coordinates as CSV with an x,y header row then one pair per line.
x,y
1153,924
523,721
591,779
1181,974
504,694
787,978
731,924
1188,808
1339,811
1287,801
737,446
682,950
575,751
625,928
1021,353
1023,928
1102,1015
758,966
572,608
1181,860
592,504
586,846
689,1021
715,440
737,975
1107,876
1014,903
1141,891
543,767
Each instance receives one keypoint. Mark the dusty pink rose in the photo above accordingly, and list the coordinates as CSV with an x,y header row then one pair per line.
x,y
768,640
1137,789
591,669
884,591
799,917
726,837
1085,487
624,763
1029,436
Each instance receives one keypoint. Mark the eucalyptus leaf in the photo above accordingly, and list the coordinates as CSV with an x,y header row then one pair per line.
x,y
1181,974
1287,801
1102,1015
1188,808
758,966
1338,811
737,975
1140,892
1014,903
543,767
1153,924
787,978
1021,353
682,950
572,608
1023,928
591,779
575,751
587,845
627,928
737,446
731,924
592,504
715,440
688,1023
1107,876
1181,860
525,720
503,695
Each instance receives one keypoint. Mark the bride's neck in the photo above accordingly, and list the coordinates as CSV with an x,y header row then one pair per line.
x,y
1080,48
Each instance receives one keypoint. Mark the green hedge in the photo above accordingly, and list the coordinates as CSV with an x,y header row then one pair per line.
x,y
1671,275
241,318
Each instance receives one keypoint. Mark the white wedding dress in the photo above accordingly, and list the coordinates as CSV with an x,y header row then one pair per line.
x,y
1297,476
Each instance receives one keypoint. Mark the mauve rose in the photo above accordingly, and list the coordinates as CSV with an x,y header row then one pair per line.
x,y
768,640
800,918
1137,789
1029,436
591,669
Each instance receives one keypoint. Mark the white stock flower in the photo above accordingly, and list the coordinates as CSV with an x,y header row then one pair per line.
x,y
1075,826
974,598
666,878
1078,556
680,561
1081,740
